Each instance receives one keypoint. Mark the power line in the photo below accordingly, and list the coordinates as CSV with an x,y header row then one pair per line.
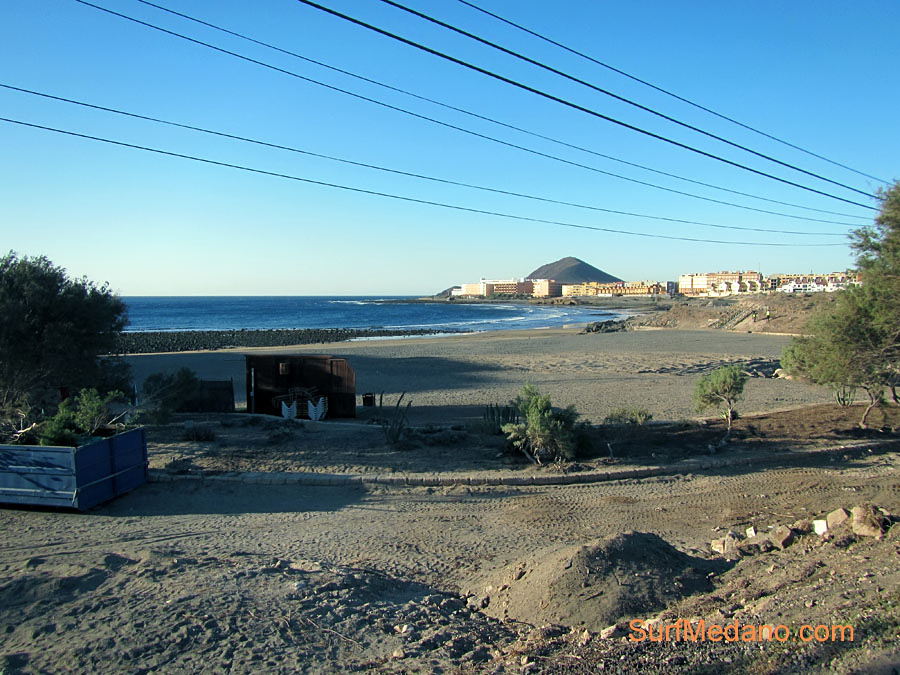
x,y
407,173
623,99
483,117
389,195
446,124
668,93
576,106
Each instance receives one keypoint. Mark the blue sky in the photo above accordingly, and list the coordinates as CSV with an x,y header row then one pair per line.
x,y
815,74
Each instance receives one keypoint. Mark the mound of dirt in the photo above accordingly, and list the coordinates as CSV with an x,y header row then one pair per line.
x,y
631,575
161,610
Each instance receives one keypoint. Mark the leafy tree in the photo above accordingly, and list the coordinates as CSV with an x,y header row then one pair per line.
x,y
53,329
856,344
722,388
842,349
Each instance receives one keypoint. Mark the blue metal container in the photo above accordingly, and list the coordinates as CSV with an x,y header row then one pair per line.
x,y
68,477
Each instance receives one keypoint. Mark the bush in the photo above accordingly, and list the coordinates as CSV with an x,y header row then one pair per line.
x,y
628,416
547,434
78,419
396,424
844,395
60,429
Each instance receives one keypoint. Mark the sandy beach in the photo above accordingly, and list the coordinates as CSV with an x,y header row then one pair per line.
x,y
451,379
215,568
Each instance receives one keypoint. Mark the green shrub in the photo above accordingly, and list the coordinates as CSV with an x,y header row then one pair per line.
x,y
628,416
78,419
60,429
547,434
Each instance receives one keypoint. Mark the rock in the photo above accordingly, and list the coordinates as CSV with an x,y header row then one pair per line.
x,y
611,326
820,527
726,544
398,653
867,521
477,603
837,518
782,536
611,632
802,526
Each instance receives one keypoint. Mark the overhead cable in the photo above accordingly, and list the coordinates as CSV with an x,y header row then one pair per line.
x,y
446,124
409,174
611,94
389,195
581,108
484,117
668,92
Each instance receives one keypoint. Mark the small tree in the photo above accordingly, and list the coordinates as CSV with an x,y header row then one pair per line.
x,y
722,388
841,350
546,433
856,344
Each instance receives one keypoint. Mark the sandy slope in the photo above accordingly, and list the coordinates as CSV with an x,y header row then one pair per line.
x,y
194,575
179,577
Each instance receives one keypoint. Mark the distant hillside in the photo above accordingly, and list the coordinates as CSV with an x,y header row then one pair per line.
x,y
572,271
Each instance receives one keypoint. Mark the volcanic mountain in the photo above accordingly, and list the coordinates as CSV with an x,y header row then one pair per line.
x,y
571,271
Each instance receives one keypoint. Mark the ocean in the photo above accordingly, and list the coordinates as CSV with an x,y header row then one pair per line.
x,y
287,312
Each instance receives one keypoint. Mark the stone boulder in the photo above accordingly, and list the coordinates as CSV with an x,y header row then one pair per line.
x,y
868,521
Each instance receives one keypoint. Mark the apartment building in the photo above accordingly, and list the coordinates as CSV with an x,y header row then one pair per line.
x,y
487,287
593,288
811,283
546,288
720,283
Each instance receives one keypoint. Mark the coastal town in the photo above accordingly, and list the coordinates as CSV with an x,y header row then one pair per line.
x,y
713,284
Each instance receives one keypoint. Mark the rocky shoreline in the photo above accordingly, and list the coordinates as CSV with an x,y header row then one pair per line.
x,y
205,340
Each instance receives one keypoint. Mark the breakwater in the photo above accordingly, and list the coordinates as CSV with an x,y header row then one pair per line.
x,y
184,341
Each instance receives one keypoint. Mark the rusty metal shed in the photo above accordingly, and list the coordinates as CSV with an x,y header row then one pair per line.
x,y
273,377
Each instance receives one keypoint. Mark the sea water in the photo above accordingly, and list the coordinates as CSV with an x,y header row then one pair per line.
x,y
394,313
